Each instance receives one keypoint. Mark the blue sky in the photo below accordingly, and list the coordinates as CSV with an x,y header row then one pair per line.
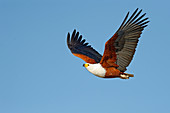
x,y
38,73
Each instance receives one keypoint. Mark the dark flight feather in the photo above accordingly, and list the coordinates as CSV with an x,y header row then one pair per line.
x,y
128,36
77,45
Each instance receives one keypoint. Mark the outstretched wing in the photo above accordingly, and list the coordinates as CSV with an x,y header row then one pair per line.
x,y
120,48
81,49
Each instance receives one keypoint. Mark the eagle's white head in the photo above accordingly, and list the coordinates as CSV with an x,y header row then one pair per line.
x,y
95,69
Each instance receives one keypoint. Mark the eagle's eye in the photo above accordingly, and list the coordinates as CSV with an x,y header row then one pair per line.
x,y
85,65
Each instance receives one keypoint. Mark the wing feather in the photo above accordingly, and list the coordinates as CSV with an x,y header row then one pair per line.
x,y
130,33
81,49
120,48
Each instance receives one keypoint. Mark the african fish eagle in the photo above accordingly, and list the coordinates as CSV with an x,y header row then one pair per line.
x,y
119,49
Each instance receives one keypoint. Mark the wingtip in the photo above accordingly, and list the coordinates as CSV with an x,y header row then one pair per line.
x,y
76,37
68,34
68,38
141,10
80,38
73,35
136,9
74,30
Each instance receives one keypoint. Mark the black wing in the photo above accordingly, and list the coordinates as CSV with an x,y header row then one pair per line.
x,y
81,49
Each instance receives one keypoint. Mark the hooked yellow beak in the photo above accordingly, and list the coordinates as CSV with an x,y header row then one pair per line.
x,y
85,65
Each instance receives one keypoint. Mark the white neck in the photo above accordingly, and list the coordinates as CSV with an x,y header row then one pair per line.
x,y
96,69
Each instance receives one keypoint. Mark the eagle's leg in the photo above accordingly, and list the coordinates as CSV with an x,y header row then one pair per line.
x,y
126,75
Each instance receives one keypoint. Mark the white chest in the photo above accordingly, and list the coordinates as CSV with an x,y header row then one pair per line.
x,y
96,69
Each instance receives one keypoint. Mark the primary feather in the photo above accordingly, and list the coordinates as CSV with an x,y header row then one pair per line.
x,y
128,36
78,46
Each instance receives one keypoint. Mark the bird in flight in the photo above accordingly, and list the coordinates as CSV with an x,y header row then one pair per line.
x,y
119,49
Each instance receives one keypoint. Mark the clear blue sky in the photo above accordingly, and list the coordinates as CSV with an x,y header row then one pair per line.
x,y
38,73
